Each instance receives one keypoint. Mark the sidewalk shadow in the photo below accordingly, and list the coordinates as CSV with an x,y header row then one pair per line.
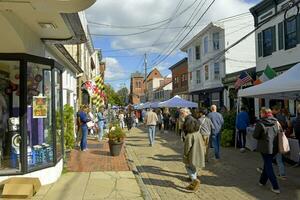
x,y
159,171
167,157
99,152
164,183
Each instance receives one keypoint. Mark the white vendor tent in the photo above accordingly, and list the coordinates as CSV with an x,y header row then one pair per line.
x,y
284,86
177,101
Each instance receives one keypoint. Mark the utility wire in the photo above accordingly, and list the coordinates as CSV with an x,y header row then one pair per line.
x,y
222,53
165,57
176,10
188,22
145,25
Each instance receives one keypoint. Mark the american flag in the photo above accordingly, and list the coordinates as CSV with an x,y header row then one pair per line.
x,y
242,79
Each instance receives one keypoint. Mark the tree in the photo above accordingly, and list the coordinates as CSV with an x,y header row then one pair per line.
x,y
112,97
123,94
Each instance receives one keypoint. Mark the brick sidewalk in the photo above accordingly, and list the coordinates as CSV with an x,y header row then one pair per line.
x,y
233,178
96,158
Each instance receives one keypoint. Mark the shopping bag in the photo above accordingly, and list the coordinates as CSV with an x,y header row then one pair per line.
x,y
283,142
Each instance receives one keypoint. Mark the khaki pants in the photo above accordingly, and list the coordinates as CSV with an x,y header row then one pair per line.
x,y
206,142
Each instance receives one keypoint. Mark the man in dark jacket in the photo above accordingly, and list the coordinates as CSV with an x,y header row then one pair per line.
x,y
186,115
266,131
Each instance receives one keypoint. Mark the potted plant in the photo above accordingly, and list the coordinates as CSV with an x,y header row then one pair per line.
x,y
115,139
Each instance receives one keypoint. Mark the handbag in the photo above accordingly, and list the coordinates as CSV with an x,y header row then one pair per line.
x,y
283,142
90,124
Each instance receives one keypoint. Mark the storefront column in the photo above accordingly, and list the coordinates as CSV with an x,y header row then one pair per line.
x,y
256,107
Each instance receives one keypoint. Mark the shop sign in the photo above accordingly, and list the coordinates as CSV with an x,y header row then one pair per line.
x,y
39,107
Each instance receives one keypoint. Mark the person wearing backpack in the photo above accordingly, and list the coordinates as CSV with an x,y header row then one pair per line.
x,y
266,132
205,129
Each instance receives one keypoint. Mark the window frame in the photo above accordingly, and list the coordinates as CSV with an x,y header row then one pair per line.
x,y
214,41
288,40
24,59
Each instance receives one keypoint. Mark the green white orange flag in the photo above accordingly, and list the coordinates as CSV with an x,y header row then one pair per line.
x,y
268,74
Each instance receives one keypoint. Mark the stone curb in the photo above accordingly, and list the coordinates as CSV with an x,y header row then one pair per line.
x,y
137,175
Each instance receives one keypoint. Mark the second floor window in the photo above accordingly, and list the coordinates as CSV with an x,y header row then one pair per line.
x,y
205,45
198,76
206,70
269,41
217,71
216,41
291,33
197,50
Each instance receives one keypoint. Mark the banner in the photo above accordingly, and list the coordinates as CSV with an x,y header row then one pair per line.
x,y
39,107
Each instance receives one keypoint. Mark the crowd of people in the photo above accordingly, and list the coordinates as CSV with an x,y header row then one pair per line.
x,y
200,130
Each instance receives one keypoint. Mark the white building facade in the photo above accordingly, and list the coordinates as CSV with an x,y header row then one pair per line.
x,y
207,62
277,41
163,93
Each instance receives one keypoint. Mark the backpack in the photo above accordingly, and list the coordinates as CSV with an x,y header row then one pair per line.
x,y
270,138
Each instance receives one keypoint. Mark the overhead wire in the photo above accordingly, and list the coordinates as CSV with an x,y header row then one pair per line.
x,y
203,14
145,25
178,34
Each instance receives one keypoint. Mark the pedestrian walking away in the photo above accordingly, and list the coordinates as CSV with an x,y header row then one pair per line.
x,y
241,124
218,121
266,132
205,129
151,121
194,151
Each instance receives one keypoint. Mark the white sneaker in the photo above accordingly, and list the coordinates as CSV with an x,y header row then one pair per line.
x,y
275,191
242,150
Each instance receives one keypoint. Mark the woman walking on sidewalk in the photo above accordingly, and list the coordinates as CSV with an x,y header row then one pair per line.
x,y
194,151
266,133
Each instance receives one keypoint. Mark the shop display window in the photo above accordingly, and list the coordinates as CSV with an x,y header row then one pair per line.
x,y
39,115
9,117
31,121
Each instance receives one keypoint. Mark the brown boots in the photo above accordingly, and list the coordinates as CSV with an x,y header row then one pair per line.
x,y
194,186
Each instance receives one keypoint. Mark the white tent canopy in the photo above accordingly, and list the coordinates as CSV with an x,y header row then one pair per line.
x,y
284,86
176,101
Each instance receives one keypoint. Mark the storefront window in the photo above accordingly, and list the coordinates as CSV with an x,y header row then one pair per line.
x,y
58,112
9,117
39,119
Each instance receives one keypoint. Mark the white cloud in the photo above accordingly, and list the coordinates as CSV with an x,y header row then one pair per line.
x,y
114,70
133,12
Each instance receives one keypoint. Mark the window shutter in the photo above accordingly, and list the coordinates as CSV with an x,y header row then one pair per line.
x,y
274,38
259,38
280,36
298,28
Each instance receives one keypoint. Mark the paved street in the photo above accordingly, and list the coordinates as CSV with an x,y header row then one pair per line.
x,y
235,177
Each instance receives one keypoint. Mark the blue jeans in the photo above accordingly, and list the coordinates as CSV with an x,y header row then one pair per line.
x,y
83,143
268,172
216,137
101,131
242,138
280,164
151,134
192,172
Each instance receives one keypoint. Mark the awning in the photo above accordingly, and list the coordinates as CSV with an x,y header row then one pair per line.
x,y
177,101
284,86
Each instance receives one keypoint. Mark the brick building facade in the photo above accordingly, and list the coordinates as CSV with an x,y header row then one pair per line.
x,y
136,88
180,79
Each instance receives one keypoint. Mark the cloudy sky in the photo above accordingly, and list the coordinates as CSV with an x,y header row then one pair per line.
x,y
127,29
